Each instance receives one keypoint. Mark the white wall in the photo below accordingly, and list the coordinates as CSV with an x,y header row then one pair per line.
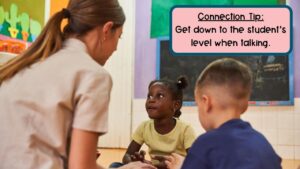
x,y
120,65
280,125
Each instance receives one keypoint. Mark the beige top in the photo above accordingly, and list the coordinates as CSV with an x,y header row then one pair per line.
x,y
40,105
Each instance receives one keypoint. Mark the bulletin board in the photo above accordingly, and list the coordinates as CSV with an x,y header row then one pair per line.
x,y
22,20
160,20
272,75
20,24
147,46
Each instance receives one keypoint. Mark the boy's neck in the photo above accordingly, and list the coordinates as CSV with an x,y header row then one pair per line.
x,y
225,116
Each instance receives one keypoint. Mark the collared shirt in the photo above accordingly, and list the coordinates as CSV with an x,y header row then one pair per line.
x,y
42,103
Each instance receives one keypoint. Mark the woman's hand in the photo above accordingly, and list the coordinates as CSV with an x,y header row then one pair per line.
x,y
137,165
159,161
174,161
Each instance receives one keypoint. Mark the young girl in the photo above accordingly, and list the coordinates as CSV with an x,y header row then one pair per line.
x,y
164,133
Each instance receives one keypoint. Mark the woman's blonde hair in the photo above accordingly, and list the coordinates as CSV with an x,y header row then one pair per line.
x,y
82,15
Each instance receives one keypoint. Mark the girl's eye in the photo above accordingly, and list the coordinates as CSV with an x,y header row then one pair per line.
x,y
161,96
149,97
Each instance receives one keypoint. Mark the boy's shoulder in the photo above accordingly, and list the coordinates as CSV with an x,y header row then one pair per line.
x,y
209,137
222,132
234,130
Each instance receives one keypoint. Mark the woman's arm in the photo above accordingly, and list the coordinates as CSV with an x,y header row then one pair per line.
x,y
131,150
83,150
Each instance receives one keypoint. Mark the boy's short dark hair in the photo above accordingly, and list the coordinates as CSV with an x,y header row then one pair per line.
x,y
230,73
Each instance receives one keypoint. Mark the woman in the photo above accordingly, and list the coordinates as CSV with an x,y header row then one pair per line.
x,y
54,97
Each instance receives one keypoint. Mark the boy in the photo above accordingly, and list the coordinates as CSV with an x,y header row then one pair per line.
x,y
222,92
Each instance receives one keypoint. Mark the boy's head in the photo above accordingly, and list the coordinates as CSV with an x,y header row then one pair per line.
x,y
222,92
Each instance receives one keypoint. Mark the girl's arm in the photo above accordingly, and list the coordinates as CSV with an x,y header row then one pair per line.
x,y
83,150
131,150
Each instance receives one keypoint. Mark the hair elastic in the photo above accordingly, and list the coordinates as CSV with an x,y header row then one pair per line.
x,y
66,13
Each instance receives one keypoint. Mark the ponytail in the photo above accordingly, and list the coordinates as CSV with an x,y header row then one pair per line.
x,y
47,43
181,83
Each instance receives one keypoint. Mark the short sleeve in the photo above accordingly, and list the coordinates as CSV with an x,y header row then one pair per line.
x,y
189,137
92,97
138,134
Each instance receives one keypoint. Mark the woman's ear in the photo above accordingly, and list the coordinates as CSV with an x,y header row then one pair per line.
x,y
107,27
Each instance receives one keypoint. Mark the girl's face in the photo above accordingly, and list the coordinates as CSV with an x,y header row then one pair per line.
x,y
160,103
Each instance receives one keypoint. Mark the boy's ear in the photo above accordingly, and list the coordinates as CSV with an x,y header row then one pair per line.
x,y
207,104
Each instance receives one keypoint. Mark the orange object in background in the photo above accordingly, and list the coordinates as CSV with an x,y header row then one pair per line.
x,y
58,5
10,46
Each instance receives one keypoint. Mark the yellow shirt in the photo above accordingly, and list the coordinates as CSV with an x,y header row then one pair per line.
x,y
176,141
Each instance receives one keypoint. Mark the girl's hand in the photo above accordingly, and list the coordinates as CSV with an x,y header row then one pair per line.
x,y
159,162
138,156
137,165
174,161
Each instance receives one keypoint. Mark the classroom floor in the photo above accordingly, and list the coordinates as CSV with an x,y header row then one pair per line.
x,y
115,155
